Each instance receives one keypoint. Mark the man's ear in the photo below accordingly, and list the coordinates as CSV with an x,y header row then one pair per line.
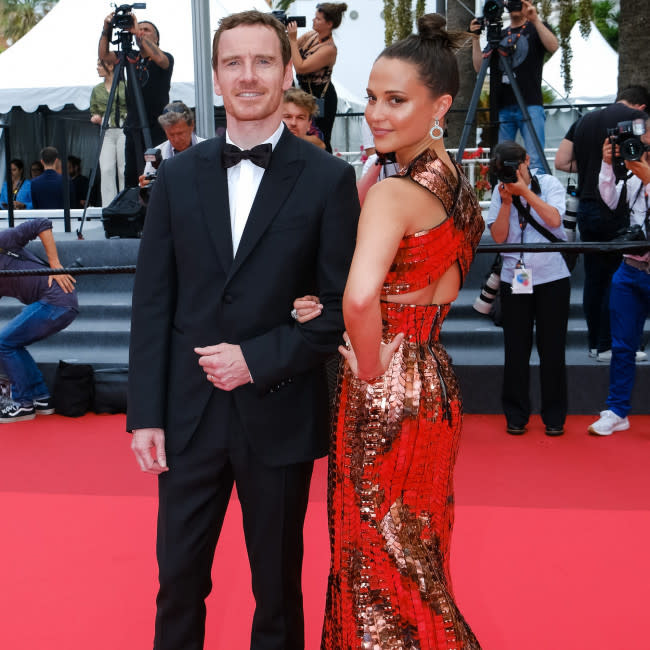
x,y
287,81
215,80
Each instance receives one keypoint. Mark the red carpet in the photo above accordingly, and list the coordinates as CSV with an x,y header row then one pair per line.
x,y
550,547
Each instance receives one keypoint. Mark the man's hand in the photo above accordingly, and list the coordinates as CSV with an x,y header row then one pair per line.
x,y
529,11
224,365
144,440
506,194
96,118
66,282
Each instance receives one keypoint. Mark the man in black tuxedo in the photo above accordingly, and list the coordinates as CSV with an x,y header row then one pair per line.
x,y
225,387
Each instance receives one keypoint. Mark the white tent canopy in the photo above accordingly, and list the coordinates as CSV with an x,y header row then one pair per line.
x,y
594,69
55,63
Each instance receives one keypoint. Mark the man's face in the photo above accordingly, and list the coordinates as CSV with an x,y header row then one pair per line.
x,y
180,135
146,30
296,118
250,75
35,171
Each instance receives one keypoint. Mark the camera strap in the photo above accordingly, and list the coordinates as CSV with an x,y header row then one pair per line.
x,y
524,214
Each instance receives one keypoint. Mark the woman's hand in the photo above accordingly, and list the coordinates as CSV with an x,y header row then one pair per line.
x,y
96,118
386,352
519,188
307,308
292,31
66,282
506,194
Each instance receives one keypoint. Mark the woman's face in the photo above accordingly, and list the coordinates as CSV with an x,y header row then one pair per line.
x,y
320,24
16,174
400,109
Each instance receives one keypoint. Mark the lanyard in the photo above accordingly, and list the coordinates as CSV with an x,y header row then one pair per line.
x,y
523,222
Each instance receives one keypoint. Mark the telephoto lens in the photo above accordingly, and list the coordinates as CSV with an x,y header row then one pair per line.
x,y
569,221
484,300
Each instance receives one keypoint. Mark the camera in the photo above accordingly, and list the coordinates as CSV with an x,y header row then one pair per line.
x,y
485,300
153,156
627,136
301,21
123,18
571,214
507,172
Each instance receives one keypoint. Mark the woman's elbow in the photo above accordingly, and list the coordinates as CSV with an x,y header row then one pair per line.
x,y
355,305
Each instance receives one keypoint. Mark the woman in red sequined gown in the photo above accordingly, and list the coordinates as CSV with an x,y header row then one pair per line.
x,y
398,421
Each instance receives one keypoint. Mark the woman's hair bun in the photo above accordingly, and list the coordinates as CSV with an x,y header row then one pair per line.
x,y
431,27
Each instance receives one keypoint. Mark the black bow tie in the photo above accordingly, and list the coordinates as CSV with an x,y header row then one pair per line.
x,y
259,155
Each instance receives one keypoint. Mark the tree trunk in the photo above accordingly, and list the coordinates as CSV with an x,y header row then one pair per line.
x,y
458,19
633,59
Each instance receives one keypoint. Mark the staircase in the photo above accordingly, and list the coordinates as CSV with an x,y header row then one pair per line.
x,y
100,334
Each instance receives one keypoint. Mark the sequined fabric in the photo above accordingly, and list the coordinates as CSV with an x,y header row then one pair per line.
x,y
395,440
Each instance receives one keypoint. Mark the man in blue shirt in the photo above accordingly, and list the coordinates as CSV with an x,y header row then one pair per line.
x,y
47,189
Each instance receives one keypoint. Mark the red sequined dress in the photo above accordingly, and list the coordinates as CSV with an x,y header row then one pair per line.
x,y
390,485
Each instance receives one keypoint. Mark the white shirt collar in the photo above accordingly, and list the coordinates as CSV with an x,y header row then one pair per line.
x,y
273,139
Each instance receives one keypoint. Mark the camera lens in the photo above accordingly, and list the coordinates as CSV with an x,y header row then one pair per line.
x,y
632,149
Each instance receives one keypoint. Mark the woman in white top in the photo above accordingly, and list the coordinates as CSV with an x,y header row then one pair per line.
x,y
534,288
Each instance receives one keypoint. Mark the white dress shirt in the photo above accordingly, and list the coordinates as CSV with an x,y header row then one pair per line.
x,y
167,151
244,180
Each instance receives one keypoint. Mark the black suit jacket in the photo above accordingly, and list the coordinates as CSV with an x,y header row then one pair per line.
x,y
189,291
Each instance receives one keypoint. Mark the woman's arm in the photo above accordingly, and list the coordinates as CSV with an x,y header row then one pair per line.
x,y
382,224
500,228
325,56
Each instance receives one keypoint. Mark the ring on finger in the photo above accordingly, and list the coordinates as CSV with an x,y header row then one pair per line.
x,y
294,314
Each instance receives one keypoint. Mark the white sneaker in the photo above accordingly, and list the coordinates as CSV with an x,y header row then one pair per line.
x,y
606,356
608,423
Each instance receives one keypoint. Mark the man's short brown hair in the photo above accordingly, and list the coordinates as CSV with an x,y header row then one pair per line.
x,y
252,17
301,98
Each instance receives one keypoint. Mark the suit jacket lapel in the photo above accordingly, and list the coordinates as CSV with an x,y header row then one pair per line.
x,y
279,179
212,189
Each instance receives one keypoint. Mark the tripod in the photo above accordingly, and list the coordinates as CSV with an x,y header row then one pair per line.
x,y
126,58
494,47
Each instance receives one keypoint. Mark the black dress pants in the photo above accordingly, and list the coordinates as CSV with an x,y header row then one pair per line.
x,y
547,310
193,498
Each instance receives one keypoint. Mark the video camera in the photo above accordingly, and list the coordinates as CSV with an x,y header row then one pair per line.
x,y
122,18
627,137
301,21
153,156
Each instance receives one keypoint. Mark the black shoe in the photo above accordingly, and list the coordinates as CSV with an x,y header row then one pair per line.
x,y
515,431
16,413
44,406
555,431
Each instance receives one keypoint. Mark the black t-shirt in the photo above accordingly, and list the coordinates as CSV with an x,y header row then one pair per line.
x,y
527,60
154,83
588,135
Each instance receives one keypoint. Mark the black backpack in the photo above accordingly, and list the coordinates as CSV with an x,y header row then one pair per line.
x,y
124,217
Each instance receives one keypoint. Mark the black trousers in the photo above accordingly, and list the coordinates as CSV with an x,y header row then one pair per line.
x,y
547,309
193,498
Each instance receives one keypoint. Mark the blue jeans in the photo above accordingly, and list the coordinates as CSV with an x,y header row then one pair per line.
x,y
629,307
37,321
511,120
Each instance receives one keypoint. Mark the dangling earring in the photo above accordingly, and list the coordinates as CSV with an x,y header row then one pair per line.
x,y
436,131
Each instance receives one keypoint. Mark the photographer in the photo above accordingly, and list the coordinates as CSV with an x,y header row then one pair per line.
x,y
177,120
580,151
534,288
154,72
528,39
630,288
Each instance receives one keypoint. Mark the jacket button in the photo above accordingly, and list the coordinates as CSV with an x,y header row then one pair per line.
x,y
227,298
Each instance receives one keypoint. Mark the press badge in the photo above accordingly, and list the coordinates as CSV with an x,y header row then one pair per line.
x,y
522,282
